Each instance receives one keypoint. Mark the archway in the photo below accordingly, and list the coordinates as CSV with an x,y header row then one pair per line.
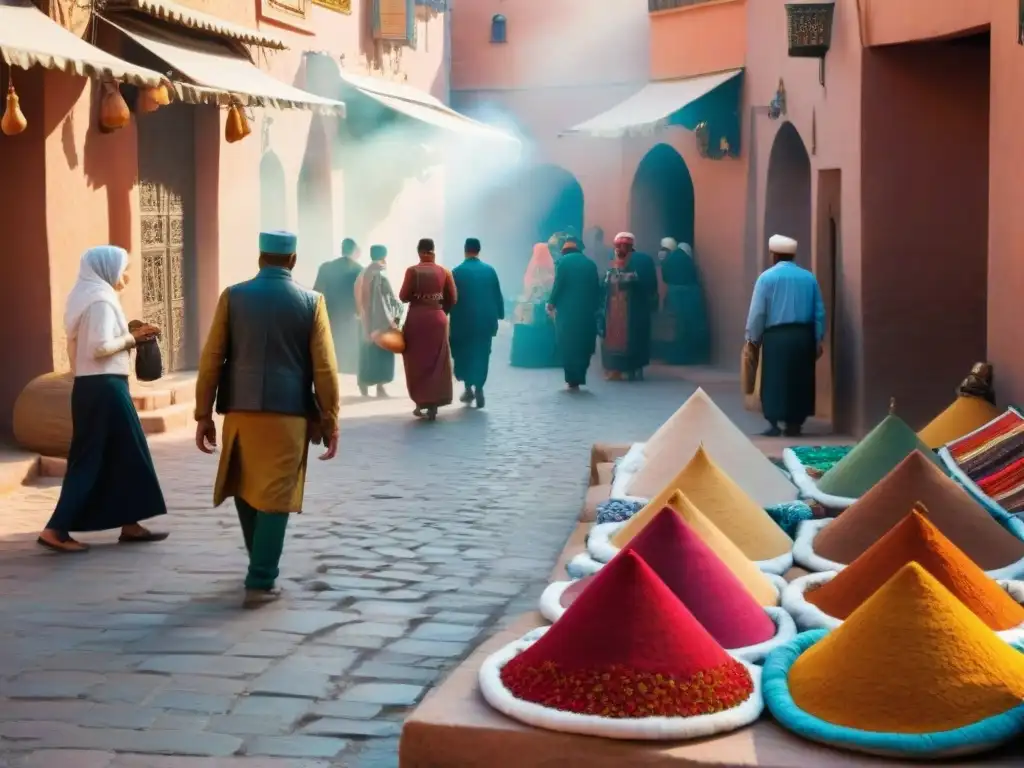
x,y
316,205
273,195
531,207
787,209
661,200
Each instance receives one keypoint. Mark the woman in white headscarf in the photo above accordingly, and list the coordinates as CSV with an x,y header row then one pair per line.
x,y
684,336
110,481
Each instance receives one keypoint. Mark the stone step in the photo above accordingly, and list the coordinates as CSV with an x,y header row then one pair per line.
x,y
167,418
175,389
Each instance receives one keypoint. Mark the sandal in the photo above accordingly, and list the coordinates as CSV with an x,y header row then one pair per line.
x,y
64,545
145,537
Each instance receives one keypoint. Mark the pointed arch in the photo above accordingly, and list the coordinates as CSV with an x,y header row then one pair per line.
x,y
273,193
787,209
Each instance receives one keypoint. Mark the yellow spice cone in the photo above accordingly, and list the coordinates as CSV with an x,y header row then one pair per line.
x,y
912,659
726,505
762,590
965,415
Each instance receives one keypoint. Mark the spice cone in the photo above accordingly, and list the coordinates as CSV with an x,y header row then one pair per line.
x,y
628,649
699,421
961,519
725,504
742,567
699,578
911,660
915,539
962,417
872,459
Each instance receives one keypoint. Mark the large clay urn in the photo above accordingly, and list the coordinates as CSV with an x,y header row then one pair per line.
x,y
42,415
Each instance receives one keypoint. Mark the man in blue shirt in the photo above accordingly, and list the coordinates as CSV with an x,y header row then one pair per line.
x,y
787,322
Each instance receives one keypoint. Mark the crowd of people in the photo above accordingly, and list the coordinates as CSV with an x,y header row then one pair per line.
x,y
270,365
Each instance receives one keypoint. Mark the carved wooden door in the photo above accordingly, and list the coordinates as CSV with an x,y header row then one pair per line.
x,y
166,208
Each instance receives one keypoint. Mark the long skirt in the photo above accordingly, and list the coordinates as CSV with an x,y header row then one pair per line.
x,y
110,479
376,365
427,357
472,359
788,358
688,339
626,347
534,345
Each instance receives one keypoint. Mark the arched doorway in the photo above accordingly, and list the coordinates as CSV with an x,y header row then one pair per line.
x,y
661,200
316,205
531,207
787,209
273,197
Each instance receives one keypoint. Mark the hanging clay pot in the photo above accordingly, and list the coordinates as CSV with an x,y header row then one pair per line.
x,y
151,99
114,113
13,121
234,128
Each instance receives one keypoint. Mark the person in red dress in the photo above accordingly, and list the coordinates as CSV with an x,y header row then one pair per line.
x,y
429,290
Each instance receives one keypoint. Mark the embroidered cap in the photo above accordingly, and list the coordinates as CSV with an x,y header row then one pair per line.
x,y
378,252
278,242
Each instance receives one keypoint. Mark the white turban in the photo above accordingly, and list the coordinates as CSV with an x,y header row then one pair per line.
x,y
625,237
786,246
669,243
687,249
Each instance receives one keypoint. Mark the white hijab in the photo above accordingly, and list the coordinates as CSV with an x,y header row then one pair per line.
x,y
100,269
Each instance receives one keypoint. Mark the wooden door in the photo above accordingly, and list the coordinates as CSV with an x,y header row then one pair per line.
x,y
167,210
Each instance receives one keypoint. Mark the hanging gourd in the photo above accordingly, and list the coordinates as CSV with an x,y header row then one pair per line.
x,y
13,121
114,113
234,129
151,99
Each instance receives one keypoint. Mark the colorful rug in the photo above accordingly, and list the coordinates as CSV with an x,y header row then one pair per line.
x,y
626,661
989,464
825,600
912,673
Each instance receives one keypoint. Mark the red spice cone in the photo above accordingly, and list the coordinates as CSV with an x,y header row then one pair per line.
x,y
628,648
699,578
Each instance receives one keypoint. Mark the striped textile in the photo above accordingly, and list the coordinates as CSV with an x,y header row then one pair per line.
x,y
993,458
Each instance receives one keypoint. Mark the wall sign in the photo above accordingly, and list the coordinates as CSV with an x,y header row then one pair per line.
x,y
339,6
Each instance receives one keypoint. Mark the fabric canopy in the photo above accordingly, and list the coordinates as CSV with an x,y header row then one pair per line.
x,y
174,13
420,105
28,38
208,71
662,103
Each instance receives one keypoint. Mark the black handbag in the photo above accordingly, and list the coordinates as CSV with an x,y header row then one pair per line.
x,y
149,363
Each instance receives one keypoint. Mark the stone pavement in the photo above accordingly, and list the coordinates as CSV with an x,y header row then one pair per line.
x,y
416,543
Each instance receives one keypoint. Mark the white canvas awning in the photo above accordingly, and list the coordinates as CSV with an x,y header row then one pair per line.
x,y
652,107
209,72
175,13
28,38
420,105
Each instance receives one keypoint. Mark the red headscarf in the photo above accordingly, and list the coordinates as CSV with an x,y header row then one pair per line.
x,y
540,263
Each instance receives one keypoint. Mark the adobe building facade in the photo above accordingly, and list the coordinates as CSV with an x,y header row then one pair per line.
x,y
186,204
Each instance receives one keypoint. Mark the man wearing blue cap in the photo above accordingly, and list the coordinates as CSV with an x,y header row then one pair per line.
x,y
474,321
269,367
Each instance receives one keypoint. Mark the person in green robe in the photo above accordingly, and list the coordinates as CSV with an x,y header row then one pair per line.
x,y
574,303
630,297
473,322
336,280
379,311
684,308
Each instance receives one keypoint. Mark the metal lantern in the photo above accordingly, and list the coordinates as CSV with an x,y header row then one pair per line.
x,y
810,29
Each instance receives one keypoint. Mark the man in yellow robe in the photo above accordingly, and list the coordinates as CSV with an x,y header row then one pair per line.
x,y
269,367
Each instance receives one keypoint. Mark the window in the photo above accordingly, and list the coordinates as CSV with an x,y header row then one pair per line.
x,y
499,29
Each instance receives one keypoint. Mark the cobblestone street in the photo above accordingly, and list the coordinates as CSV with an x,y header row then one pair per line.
x,y
416,543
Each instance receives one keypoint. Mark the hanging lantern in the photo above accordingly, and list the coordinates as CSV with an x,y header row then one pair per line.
x,y
114,113
13,121
235,127
809,27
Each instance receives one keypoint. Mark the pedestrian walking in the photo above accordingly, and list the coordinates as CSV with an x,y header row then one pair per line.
x,y
430,292
269,366
474,321
787,321
110,481
379,311
631,295
574,304
336,281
